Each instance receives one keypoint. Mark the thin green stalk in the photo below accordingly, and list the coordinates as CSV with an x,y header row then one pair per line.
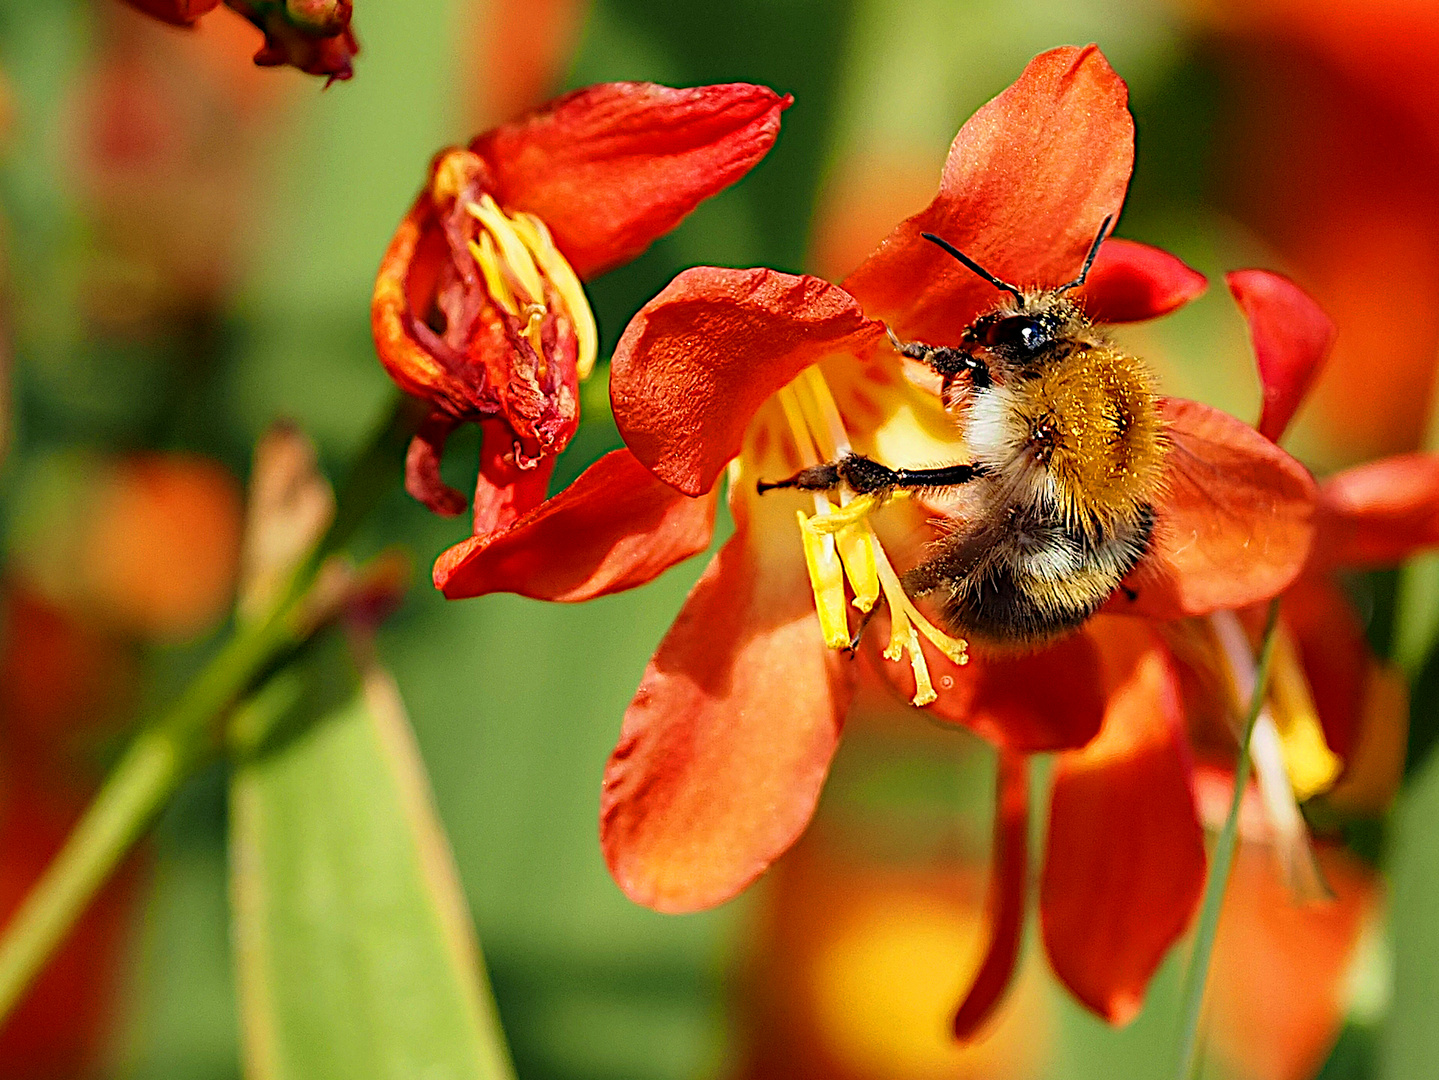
x,y
183,737
1197,974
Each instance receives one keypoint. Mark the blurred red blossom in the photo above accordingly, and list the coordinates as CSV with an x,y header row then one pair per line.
x,y
478,307
314,36
729,738
521,48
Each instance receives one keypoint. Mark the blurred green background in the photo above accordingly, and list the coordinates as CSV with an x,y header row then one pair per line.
x,y
123,342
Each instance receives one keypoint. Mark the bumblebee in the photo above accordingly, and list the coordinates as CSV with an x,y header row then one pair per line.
x,y
1055,505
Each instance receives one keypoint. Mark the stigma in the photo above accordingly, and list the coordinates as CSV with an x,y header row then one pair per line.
x,y
847,564
525,274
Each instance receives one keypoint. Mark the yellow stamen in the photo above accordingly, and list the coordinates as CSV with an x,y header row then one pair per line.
x,y
489,264
562,276
517,255
844,531
826,578
1312,766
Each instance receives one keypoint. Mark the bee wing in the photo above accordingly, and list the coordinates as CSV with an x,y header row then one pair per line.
x,y
1233,525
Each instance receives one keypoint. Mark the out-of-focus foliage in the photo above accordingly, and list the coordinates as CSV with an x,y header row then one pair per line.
x,y
189,249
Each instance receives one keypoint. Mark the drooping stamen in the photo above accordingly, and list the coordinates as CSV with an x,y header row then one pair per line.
x,y
841,538
1289,832
516,255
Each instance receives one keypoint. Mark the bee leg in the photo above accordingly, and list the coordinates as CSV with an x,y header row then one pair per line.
x,y
949,363
815,478
858,632
866,476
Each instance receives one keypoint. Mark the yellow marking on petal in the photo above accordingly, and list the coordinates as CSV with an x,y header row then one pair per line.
x,y
1313,768
517,258
489,264
826,579
562,276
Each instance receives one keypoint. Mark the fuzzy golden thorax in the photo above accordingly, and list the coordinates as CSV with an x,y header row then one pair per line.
x,y
1072,422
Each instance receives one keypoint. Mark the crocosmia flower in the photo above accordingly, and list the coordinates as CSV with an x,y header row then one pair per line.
x,y
755,374
479,308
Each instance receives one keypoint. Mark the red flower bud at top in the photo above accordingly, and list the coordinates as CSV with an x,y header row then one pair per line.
x,y
312,35
175,12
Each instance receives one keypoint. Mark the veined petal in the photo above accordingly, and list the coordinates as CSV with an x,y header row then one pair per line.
x,y
698,360
1378,514
1235,522
1131,282
611,167
1291,336
614,528
1124,864
728,740
1009,874
1028,180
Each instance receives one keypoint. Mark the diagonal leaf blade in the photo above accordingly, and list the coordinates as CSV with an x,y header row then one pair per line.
x,y
355,952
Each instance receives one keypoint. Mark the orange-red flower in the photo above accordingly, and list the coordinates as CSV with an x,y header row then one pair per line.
x,y
758,373
478,307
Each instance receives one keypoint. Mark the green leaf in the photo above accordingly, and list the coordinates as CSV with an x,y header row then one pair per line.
x,y
355,951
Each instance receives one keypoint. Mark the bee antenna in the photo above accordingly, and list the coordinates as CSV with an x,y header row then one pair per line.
x,y
1089,259
981,271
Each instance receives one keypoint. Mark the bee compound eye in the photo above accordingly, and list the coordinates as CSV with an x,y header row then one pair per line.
x,y
1023,333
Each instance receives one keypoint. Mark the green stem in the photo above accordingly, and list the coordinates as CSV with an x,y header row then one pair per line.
x,y
1196,976
172,746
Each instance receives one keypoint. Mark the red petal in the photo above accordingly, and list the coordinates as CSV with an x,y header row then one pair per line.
x,y
1334,652
1124,864
1030,703
699,359
504,490
1291,337
1378,514
727,742
422,467
611,167
1131,282
614,528
1234,526
1028,181
1008,877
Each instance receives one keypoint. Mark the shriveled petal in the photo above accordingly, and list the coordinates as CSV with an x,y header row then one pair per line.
x,y
699,359
609,168
1131,282
1008,876
506,489
422,467
1378,514
728,740
1291,338
614,528
1234,524
1029,179
1124,864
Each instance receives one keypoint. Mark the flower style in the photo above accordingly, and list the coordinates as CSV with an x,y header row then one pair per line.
x,y
478,307
755,374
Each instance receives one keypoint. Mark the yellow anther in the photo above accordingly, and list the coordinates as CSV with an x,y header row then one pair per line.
x,y
455,170
517,258
1312,767
562,276
826,578
828,412
852,513
856,551
488,261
